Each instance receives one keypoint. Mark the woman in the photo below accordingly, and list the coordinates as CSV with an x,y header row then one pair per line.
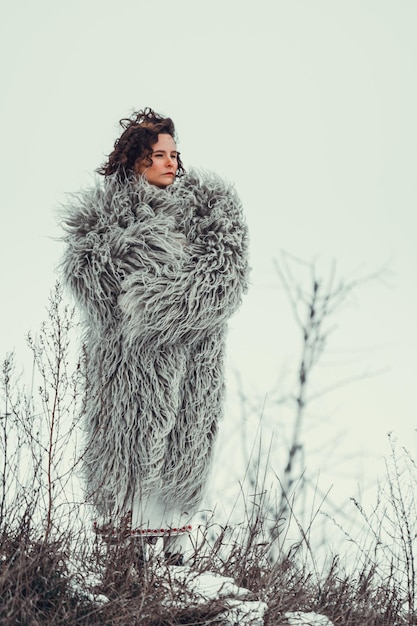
x,y
157,259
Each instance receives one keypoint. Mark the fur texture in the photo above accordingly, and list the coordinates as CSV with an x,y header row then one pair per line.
x,y
157,273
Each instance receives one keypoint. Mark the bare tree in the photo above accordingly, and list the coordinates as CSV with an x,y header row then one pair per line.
x,y
315,299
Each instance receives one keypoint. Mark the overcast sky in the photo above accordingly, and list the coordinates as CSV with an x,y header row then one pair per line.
x,y
308,106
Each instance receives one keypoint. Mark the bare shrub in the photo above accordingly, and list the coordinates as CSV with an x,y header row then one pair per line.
x,y
387,544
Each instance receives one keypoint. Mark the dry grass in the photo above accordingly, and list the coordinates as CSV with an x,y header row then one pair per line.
x,y
51,568
50,583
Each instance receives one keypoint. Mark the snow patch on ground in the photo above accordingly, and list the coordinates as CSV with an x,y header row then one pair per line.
x,y
299,618
186,585
206,586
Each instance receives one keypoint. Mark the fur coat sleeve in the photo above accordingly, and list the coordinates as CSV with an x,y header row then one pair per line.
x,y
167,265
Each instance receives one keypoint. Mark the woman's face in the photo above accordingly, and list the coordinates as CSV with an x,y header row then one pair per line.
x,y
164,162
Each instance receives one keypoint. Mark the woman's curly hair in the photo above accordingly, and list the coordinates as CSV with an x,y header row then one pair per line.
x,y
141,132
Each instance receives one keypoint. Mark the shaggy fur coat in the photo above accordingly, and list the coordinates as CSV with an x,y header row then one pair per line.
x,y
157,273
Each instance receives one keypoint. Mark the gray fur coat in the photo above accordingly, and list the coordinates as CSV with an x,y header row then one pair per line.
x,y
157,274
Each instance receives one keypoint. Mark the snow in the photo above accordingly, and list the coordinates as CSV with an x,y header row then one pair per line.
x,y
299,618
202,587
185,585
206,586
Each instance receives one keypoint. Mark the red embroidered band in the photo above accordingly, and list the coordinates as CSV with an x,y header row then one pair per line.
x,y
109,532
